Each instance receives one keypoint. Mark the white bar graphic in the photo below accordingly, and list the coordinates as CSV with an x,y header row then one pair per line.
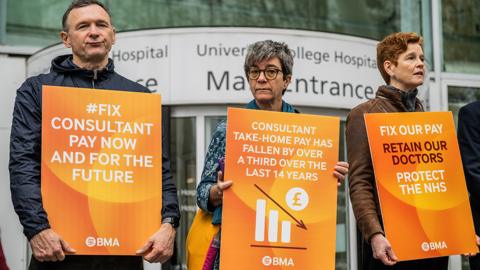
x,y
273,226
260,220
286,225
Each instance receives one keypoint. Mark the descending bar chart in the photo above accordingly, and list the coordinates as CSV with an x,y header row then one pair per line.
x,y
269,229
273,225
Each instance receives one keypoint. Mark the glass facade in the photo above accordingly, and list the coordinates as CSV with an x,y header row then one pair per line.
x,y
183,165
367,18
461,36
461,96
350,17
24,29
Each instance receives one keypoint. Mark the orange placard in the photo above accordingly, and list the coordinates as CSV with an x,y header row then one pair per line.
x,y
280,212
420,183
102,167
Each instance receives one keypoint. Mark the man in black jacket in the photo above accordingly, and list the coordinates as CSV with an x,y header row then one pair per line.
x,y
88,31
469,142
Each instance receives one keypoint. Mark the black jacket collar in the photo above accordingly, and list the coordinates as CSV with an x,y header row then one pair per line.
x,y
64,64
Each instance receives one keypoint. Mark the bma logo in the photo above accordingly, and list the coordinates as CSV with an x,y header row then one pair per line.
x,y
277,261
101,242
434,245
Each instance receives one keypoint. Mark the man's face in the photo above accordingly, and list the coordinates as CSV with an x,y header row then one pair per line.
x,y
90,35
410,69
268,90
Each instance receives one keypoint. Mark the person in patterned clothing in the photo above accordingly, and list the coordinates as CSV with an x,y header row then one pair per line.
x,y
268,67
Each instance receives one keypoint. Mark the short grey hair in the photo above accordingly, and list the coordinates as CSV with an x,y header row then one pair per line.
x,y
268,49
78,4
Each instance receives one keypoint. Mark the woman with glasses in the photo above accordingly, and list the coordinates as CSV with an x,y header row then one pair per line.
x,y
268,67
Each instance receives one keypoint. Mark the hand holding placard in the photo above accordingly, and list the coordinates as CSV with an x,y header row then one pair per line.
x,y
159,247
48,246
382,250
216,191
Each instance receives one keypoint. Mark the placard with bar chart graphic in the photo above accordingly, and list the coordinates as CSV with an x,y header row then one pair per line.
x,y
280,212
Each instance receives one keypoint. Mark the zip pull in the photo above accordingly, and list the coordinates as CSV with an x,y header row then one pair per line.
x,y
95,76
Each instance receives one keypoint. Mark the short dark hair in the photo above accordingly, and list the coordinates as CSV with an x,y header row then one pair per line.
x,y
79,4
268,49
392,46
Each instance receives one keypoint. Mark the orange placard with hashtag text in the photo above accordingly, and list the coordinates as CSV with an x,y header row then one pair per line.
x,y
102,167
280,212
421,185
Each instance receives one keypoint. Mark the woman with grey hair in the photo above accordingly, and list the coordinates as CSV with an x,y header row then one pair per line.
x,y
268,68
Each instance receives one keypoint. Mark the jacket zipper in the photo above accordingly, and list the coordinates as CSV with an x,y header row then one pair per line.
x,y
94,77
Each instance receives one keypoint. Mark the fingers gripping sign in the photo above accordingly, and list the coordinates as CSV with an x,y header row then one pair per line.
x,y
48,246
341,171
159,247
216,191
382,250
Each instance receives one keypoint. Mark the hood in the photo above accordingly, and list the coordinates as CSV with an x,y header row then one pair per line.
x,y
64,64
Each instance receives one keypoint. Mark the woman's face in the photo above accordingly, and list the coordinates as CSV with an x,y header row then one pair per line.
x,y
265,90
409,71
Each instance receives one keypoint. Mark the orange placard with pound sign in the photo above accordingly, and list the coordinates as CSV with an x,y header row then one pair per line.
x,y
280,212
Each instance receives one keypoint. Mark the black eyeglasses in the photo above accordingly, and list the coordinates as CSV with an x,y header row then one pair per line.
x,y
270,73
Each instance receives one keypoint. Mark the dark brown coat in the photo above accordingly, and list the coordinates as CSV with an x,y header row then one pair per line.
x,y
363,192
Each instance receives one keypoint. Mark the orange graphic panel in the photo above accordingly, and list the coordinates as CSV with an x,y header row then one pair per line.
x,y
280,212
420,183
102,167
